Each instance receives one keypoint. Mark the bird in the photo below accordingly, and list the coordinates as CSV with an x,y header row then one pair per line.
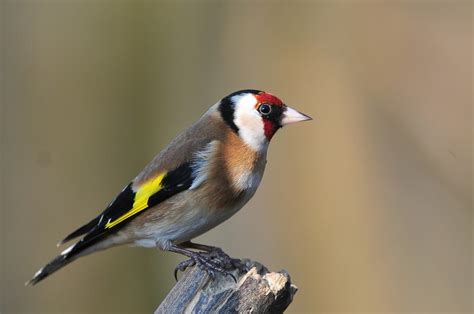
x,y
202,178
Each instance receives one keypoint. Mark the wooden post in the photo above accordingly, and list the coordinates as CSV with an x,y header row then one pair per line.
x,y
257,291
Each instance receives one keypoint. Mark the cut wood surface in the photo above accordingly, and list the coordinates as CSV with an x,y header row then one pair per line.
x,y
257,291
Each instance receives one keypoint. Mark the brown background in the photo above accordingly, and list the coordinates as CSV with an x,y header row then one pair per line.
x,y
369,206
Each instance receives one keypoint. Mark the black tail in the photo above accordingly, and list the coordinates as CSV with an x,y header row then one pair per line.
x,y
82,230
67,256
60,261
57,263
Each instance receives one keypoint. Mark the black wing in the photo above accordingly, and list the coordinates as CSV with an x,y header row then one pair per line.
x,y
125,207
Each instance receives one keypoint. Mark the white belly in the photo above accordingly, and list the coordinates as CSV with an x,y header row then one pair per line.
x,y
191,224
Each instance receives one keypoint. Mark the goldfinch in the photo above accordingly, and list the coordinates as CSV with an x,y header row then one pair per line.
x,y
202,178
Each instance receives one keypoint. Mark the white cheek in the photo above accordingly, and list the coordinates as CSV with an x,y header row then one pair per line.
x,y
249,122
251,131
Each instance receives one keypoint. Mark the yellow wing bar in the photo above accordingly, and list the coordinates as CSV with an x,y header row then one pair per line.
x,y
145,191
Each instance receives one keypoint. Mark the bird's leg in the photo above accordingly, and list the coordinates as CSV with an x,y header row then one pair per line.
x,y
212,250
217,253
203,261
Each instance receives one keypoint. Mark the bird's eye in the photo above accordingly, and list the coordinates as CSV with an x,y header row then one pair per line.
x,y
265,109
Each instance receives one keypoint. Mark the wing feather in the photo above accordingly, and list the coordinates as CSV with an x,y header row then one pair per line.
x,y
180,166
172,171
134,200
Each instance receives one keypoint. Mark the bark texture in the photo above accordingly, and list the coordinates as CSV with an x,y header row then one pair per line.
x,y
257,291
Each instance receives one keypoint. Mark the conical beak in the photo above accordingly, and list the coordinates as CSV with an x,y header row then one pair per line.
x,y
290,116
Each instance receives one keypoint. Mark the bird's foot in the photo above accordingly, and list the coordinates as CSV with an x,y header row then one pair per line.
x,y
182,266
206,263
228,262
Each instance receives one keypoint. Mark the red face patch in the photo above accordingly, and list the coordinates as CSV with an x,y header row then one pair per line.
x,y
268,99
269,128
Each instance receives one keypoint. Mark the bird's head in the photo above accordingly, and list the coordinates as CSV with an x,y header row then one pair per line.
x,y
256,116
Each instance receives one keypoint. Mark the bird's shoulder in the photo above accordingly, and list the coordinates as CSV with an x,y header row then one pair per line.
x,y
186,147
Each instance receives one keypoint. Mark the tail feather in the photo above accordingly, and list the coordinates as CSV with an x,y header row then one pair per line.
x,y
85,246
81,231
57,263
95,238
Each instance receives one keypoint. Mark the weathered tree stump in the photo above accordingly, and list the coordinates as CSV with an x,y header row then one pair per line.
x,y
257,291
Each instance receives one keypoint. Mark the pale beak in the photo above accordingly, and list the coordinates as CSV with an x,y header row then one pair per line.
x,y
290,116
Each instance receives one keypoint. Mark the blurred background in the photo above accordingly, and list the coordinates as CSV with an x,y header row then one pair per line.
x,y
369,206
